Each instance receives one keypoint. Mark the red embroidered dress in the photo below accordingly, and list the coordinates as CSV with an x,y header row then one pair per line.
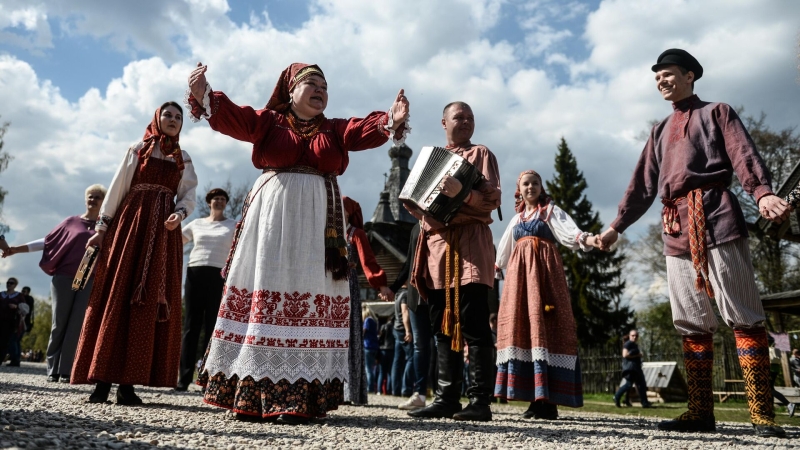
x,y
281,340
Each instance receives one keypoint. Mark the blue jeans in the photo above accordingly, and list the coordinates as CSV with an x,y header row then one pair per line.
x,y
14,348
402,383
370,363
634,377
421,329
385,373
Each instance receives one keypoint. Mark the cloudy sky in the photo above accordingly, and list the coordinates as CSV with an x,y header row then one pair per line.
x,y
79,82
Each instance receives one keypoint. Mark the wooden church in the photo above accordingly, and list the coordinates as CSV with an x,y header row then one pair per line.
x,y
390,226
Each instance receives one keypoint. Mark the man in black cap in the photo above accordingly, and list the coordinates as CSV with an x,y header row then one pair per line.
x,y
690,159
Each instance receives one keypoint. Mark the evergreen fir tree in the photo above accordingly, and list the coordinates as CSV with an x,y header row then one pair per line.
x,y
594,278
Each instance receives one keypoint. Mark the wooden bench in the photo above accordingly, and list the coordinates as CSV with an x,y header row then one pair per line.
x,y
730,390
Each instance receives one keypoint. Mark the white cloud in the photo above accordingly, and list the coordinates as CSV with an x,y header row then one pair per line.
x,y
438,51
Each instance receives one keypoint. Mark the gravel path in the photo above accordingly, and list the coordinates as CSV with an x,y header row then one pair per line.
x,y
38,414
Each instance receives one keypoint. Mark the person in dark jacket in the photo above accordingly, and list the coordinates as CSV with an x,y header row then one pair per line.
x,y
632,371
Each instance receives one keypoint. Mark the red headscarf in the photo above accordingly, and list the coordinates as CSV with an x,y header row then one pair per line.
x,y
544,199
169,145
289,78
353,211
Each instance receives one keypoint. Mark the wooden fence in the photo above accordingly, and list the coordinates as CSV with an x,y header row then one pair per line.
x,y
601,367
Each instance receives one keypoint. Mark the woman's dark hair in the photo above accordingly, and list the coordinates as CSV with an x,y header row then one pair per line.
x,y
172,104
215,192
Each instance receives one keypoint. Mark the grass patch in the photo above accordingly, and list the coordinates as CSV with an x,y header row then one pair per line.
x,y
734,410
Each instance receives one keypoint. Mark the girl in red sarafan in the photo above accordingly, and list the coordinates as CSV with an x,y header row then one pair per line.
x,y
132,328
537,345
287,272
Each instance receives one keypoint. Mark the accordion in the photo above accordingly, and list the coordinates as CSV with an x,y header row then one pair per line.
x,y
85,268
422,186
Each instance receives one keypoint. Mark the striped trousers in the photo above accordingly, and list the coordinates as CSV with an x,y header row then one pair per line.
x,y
731,271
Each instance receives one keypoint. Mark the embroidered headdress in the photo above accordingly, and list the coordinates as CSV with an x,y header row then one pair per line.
x,y
289,78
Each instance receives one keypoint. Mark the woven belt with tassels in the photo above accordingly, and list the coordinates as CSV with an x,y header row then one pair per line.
x,y
451,322
335,245
697,231
163,203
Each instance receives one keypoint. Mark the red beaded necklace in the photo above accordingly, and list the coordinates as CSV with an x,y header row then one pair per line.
x,y
306,129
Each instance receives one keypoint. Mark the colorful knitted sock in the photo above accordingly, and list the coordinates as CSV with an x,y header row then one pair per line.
x,y
698,357
753,350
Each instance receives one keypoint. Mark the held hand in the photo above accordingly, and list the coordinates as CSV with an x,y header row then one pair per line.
x,y
197,82
595,242
773,208
400,109
10,251
608,238
450,186
408,337
173,221
3,245
386,294
96,240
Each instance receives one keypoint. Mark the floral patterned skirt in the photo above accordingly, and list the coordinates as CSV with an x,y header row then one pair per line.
x,y
267,399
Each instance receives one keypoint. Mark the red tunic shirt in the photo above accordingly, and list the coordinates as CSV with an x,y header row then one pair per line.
x,y
475,244
276,145
700,144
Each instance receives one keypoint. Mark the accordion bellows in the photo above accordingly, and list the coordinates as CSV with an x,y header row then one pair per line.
x,y
422,186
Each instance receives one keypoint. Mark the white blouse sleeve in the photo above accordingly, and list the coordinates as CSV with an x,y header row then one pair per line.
x,y
35,246
506,246
565,230
119,187
187,188
188,235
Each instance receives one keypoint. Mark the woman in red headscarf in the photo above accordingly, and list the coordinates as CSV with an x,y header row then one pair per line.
x,y
537,344
359,252
132,328
279,348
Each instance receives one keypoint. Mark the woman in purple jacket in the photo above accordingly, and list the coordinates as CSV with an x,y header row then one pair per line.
x,y
63,249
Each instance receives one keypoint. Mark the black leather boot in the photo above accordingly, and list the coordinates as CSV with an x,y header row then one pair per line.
x,y
100,394
126,396
448,388
532,411
481,362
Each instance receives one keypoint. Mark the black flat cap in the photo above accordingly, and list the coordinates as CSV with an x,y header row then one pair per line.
x,y
678,57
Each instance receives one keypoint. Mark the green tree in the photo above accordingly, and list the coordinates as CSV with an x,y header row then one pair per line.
x,y
40,333
5,158
594,278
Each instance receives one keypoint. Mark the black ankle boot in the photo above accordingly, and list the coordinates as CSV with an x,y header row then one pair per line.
x,y
481,365
126,396
547,411
475,412
532,410
292,419
448,387
100,394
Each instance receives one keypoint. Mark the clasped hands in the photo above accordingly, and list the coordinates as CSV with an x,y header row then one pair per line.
x,y
770,206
